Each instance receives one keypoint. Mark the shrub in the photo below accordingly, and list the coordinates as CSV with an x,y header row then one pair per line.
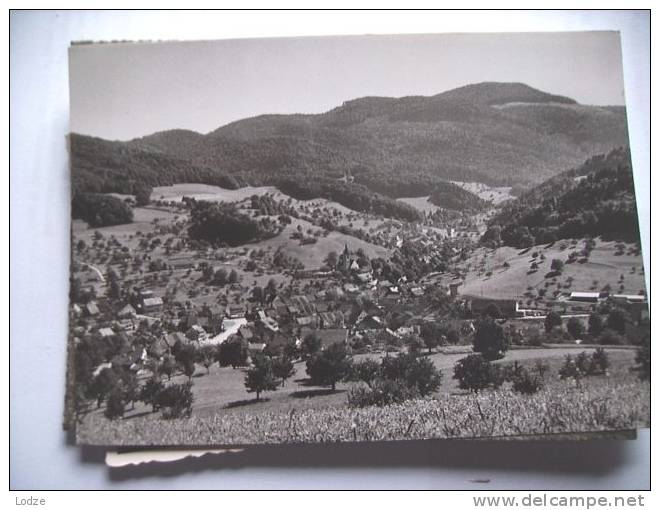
x,y
366,370
611,337
475,373
599,362
415,372
584,365
383,392
526,382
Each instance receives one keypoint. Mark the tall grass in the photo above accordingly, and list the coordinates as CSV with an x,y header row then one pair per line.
x,y
600,404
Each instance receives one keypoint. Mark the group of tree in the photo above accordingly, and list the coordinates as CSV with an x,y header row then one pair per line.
x,y
393,380
222,223
100,210
477,373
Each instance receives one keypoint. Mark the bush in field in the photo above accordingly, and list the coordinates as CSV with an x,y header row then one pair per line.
x,y
643,359
599,362
329,366
382,392
260,377
150,391
416,372
474,373
366,370
489,339
283,368
176,400
584,365
611,337
116,404
527,382
232,353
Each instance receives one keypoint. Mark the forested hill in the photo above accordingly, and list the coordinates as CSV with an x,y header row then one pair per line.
x,y
495,133
595,199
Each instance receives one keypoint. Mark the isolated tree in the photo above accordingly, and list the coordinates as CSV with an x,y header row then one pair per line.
x,y
220,277
415,372
557,265
233,353
168,366
474,373
331,259
431,342
616,320
104,382
310,345
260,377
329,366
150,391
233,276
142,194
595,324
205,356
489,339
552,320
283,368
116,405
575,327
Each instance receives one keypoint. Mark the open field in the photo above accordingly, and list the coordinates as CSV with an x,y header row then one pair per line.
x,y
616,401
603,267
496,195
420,203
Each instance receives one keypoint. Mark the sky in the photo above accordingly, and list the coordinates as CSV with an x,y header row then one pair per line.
x,y
123,91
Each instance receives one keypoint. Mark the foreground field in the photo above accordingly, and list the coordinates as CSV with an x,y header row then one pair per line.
x,y
613,402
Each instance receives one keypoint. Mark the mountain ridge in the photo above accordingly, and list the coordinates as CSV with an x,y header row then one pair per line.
x,y
495,133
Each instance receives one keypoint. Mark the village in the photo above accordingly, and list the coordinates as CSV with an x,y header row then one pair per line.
x,y
153,295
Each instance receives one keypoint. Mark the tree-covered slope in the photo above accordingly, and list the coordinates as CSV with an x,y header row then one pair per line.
x,y
595,199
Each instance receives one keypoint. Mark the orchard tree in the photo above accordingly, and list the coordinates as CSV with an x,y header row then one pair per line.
x,y
233,353
329,366
489,339
283,368
552,320
575,327
150,391
595,324
474,373
260,377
